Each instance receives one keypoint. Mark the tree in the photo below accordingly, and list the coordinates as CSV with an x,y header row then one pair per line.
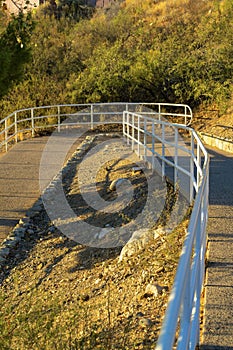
x,y
14,50
105,78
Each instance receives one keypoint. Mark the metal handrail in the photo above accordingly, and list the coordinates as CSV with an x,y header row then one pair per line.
x,y
37,118
147,133
183,311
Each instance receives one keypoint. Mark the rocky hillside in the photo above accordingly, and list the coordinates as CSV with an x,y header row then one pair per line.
x,y
58,294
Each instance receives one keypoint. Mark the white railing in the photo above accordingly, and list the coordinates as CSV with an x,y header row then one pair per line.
x,y
186,163
34,119
155,140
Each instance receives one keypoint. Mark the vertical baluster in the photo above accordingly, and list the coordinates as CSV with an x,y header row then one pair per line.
x,y
92,116
16,128
6,135
32,122
58,118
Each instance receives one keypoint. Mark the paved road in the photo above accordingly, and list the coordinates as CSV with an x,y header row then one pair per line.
x,y
218,319
19,189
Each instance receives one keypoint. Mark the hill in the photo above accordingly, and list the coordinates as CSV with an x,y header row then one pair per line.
x,y
176,51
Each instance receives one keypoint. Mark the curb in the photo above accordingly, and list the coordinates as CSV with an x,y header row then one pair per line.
x,y
19,232
216,141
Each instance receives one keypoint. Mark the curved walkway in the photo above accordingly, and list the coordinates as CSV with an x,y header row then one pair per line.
x,y
19,189
19,179
218,307
19,185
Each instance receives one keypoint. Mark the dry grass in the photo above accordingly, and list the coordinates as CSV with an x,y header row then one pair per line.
x,y
66,296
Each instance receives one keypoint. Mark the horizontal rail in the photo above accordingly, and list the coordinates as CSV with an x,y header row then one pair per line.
x,y
37,118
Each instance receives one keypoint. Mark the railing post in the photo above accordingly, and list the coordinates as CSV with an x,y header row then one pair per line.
x,y
159,112
185,115
191,190
163,151
124,123
133,130
6,135
176,158
138,135
32,122
145,140
16,128
153,145
92,116
127,128
58,118
199,164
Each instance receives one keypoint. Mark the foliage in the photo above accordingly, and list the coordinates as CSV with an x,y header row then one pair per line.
x,y
45,75
107,81
178,60
178,51
14,50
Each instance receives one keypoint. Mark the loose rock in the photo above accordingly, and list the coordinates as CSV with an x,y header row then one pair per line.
x,y
153,289
116,183
4,252
136,243
146,322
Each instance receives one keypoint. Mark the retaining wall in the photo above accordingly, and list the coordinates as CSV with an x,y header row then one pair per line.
x,y
218,142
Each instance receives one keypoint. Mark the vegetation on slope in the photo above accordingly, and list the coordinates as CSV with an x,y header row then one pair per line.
x,y
169,51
